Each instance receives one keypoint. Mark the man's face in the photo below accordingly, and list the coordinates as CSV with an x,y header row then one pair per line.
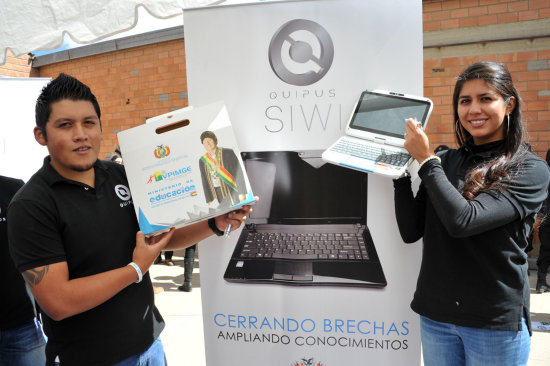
x,y
73,137
209,145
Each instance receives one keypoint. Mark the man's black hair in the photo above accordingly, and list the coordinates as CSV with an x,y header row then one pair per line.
x,y
62,87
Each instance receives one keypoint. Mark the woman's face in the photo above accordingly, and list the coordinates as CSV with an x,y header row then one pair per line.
x,y
482,111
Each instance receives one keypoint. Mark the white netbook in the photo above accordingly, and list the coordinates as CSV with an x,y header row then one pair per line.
x,y
375,134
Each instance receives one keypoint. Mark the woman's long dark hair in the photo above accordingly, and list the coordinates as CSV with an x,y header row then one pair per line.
x,y
493,174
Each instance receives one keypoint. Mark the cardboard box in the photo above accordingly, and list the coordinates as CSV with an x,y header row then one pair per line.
x,y
174,181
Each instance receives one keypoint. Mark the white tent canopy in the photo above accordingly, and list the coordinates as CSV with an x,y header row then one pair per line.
x,y
39,25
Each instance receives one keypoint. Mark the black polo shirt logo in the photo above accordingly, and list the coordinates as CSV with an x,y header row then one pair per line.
x,y
123,193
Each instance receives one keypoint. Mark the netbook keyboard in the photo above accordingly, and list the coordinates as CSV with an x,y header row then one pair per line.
x,y
304,246
391,157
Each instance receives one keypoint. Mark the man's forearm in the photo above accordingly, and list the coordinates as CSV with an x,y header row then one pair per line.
x,y
186,236
61,298
189,235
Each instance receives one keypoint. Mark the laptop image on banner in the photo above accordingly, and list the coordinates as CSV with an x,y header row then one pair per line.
x,y
309,226
374,137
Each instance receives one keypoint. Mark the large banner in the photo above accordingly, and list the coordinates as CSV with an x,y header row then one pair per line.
x,y
289,73
20,155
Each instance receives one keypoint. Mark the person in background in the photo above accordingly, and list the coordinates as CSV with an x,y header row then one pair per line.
x,y
543,260
168,254
114,157
74,236
22,341
441,148
188,266
473,210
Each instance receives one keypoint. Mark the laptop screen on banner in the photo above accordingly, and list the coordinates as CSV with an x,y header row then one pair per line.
x,y
292,191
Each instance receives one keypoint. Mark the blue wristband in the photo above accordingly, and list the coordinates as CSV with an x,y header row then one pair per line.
x,y
136,267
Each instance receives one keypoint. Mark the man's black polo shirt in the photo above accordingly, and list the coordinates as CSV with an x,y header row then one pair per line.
x,y
16,307
51,220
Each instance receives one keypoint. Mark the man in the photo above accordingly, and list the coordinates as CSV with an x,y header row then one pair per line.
x,y
22,342
222,177
74,237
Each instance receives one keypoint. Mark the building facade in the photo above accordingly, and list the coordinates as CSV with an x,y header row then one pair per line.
x,y
516,33
142,76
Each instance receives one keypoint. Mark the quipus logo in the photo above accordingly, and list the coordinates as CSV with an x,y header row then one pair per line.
x,y
301,52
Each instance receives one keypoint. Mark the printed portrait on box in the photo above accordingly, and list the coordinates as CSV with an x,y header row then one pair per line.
x,y
221,173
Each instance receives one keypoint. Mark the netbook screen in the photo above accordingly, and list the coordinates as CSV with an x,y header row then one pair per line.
x,y
385,114
292,191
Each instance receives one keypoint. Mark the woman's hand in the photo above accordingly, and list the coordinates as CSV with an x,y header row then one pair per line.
x,y
416,141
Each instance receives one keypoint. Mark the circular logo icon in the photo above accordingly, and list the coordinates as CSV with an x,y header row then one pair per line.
x,y
301,52
123,192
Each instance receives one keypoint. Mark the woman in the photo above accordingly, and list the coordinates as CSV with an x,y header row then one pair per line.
x,y
474,209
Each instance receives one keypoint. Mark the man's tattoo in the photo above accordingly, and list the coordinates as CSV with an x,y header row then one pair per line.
x,y
35,275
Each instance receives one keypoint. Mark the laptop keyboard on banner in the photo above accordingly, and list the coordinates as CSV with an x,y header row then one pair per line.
x,y
381,155
325,246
